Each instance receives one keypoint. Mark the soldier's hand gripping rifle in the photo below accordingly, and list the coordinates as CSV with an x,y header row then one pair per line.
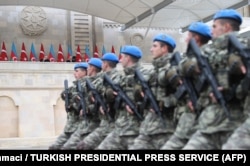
x,y
81,94
148,94
206,70
244,53
98,98
66,92
122,95
187,86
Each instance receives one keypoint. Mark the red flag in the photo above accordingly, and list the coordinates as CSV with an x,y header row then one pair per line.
x,y
41,55
3,56
113,49
23,56
78,54
60,57
96,54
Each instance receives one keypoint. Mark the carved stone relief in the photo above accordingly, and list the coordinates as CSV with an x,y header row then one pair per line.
x,y
136,39
33,20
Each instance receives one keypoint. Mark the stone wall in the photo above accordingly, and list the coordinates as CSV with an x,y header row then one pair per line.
x,y
30,103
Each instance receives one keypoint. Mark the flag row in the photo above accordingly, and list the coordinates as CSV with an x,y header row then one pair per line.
x,y
52,56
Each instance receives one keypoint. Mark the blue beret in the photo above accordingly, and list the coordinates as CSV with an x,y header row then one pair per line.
x,y
201,28
229,14
165,39
83,65
132,51
110,57
96,62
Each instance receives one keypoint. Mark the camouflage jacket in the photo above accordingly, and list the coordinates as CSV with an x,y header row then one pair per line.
x,y
73,115
92,120
108,123
213,119
162,90
126,123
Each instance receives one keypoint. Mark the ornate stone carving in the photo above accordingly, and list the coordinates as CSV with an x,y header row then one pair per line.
x,y
136,39
33,20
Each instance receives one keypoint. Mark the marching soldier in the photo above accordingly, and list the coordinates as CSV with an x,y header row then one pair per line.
x,y
158,125
89,119
80,71
128,117
187,123
107,114
223,113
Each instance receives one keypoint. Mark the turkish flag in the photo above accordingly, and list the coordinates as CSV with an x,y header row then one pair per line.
x,y
96,54
3,56
41,55
113,49
60,57
23,56
78,54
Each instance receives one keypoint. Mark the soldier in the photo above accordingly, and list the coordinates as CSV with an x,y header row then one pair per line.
x,y
187,123
215,125
109,63
89,119
80,71
127,121
156,129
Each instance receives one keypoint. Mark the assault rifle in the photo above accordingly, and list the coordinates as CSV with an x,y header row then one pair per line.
x,y
98,98
244,53
66,92
149,94
206,70
81,94
122,95
187,86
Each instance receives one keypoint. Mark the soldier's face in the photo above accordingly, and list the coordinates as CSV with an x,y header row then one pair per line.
x,y
79,73
157,50
218,28
91,70
104,65
124,60
82,73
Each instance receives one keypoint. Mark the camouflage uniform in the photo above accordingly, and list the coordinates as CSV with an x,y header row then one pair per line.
x,y
106,126
72,121
126,125
214,125
153,133
240,137
88,124
186,119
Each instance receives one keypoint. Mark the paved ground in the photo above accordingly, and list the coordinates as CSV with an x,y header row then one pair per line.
x,y
26,143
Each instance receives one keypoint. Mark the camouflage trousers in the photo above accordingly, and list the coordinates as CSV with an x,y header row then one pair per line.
x,y
60,141
74,139
240,138
114,141
91,141
215,127
186,126
150,141
203,141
